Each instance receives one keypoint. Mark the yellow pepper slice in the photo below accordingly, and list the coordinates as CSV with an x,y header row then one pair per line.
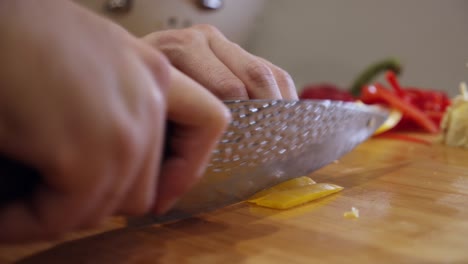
x,y
393,118
293,183
296,196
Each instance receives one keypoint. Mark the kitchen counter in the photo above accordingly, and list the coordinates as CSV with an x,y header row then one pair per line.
x,y
412,199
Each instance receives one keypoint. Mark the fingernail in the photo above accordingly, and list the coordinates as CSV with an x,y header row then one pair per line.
x,y
164,207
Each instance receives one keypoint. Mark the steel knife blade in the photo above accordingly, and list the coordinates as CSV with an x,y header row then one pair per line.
x,y
271,141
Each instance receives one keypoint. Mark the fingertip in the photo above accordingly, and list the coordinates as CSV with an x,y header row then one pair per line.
x,y
224,116
295,96
260,80
284,81
165,206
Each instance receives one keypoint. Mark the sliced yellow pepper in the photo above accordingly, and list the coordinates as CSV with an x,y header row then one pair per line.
x,y
393,118
285,199
293,183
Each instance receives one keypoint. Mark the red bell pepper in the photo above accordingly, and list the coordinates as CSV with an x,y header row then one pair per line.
x,y
421,108
378,94
392,79
325,91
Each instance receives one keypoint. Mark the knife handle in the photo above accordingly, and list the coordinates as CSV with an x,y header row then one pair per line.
x,y
17,180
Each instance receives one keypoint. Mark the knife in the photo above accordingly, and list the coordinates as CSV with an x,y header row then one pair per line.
x,y
267,142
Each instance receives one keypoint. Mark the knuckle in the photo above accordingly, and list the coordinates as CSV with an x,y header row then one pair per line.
x,y
157,101
190,37
173,52
174,43
230,88
160,67
179,38
259,74
207,29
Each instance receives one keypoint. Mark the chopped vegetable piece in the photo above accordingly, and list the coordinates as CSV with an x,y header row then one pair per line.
x,y
378,94
392,120
421,108
296,196
325,91
353,214
372,72
455,122
392,79
432,103
293,183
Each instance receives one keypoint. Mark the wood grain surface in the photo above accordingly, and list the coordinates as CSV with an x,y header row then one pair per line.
x,y
412,198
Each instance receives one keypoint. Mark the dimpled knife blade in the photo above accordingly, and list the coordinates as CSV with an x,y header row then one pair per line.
x,y
269,142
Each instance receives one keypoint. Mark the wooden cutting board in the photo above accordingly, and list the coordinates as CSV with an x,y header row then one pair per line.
x,y
412,198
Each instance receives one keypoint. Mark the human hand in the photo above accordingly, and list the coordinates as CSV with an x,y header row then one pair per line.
x,y
86,104
228,71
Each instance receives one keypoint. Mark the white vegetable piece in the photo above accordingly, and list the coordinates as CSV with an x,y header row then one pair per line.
x,y
455,121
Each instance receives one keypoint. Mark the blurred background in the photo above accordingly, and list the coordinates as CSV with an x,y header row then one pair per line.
x,y
324,40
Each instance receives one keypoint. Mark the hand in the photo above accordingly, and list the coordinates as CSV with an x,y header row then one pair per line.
x,y
86,104
206,55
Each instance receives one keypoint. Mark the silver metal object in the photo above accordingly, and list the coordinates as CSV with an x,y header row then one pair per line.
x,y
124,6
269,142
118,6
211,4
